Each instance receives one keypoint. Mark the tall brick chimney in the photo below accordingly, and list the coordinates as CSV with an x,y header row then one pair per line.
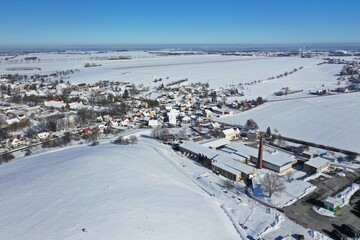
x,y
260,155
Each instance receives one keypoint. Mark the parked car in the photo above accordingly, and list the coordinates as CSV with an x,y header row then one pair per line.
x,y
337,235
350,231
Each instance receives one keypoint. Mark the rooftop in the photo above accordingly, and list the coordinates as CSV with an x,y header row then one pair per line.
x,y
198,148
277,158
229,164
317,162
215,143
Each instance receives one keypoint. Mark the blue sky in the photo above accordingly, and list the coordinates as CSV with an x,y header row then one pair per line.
x,y
71,22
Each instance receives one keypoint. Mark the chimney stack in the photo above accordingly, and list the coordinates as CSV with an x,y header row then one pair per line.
x,y
260,155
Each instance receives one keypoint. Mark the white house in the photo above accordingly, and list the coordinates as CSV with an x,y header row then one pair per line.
x,y
173,114
14,142
153,123
231,133
43,136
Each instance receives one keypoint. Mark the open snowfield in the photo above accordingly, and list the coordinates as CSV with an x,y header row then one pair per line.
x,y
114,192
330,120
144,191
218,70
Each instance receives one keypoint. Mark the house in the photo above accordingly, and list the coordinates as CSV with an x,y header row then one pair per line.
x,y
213,125
173,114
82,87
315,165
14,142
43,136
107,118
33,110
208,114
20,114
153,123
113,124
124,123
231,133
59,104
100,128
86,131
186,120
331,204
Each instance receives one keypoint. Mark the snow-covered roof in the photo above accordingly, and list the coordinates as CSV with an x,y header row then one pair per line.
x,y
331,200
216,143
16,111
198,148
43,135
228,164
317,162
277,159
55,104
11,121
76,105
230,131
153,122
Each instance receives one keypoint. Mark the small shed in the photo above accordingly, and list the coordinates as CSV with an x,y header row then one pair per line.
x,y
331,204
316,165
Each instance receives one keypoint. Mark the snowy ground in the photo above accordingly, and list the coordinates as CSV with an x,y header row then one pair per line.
x,y
218,70
294,190
123,192
143,191
331,120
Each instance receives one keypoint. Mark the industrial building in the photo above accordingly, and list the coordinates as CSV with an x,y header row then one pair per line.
x,y
316,165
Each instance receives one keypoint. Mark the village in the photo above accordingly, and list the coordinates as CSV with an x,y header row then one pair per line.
x,y
46,111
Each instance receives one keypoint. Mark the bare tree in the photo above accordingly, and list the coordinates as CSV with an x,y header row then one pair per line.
x,y
228,184
280,141
351,157
182,134
251,124
272,183
165,134
133,139
156,132
119,140
85,115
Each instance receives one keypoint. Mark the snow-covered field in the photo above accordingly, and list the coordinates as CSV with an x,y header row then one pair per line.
x,y
114,192
218,70
331,120
143,191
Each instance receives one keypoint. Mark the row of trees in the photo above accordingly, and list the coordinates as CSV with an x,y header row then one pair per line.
x,y
125,141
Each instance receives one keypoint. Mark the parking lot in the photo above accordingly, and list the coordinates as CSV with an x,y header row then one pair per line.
x,y
302,212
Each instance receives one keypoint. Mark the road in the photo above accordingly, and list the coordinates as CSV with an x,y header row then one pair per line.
x,y
302,213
